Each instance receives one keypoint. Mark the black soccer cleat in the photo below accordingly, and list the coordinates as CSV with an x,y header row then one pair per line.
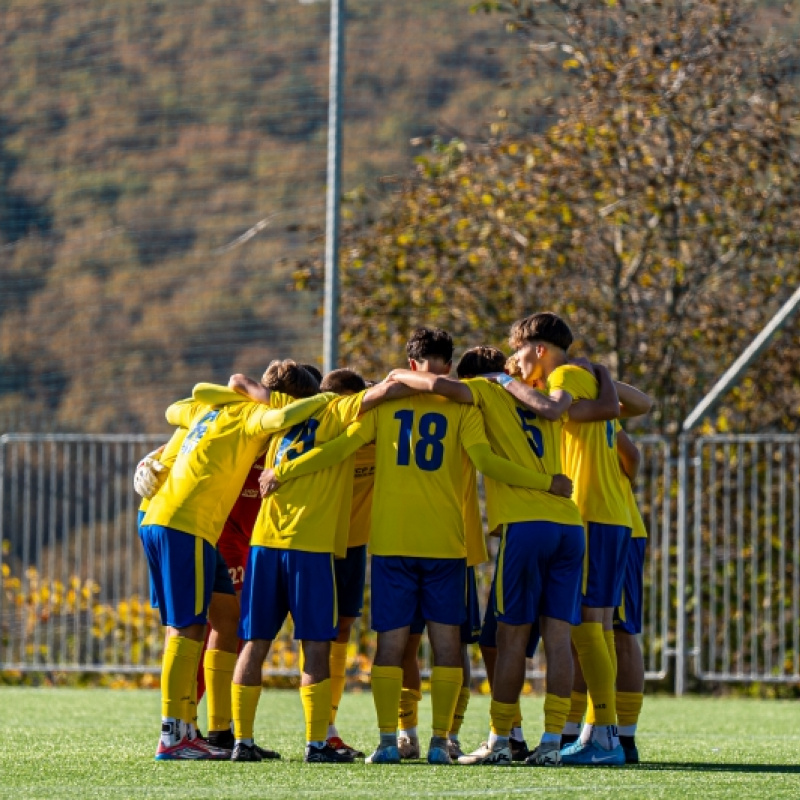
x,y
245,752
631,751
325,755
519,749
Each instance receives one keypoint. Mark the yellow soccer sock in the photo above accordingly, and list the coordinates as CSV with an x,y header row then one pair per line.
x,y
597,670
178,674
612,651
608,636
461,710
316,701
577,708
501,715
445,687
244,702
517,721
338,669
219,666
555,713
387,683
629,706
408,718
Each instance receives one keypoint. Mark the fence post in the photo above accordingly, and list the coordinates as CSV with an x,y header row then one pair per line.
x,y
680,611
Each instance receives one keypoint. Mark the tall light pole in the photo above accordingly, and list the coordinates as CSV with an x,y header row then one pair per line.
x,y
330,336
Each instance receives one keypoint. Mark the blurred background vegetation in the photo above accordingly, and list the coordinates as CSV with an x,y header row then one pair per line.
x,y
162,170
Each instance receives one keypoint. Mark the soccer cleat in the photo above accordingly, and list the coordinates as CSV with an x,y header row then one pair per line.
x,y
385,754
544,755
223,740
267,755
569,738
437,751
184,750
592,755
454,749
340,747
215,753
631,751
495,756
519,749
245,752
408,746
325,755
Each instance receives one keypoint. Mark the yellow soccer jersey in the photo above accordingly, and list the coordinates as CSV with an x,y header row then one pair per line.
x,y
519,435
219,449
168,456
639,529
473,524
361,508
417,505
589,454
311,513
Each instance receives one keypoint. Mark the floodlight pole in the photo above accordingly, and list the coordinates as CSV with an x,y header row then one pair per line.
x,y
330,335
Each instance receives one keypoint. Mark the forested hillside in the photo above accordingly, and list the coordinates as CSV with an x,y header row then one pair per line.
x,y
140,140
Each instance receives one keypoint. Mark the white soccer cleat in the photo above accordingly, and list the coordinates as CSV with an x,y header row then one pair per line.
x,y
545,755
497,756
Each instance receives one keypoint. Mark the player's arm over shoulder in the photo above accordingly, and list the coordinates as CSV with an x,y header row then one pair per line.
x,y
385,390
429,383
551,407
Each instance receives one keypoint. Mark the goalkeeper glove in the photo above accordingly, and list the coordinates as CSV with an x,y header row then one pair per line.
x,y
150,475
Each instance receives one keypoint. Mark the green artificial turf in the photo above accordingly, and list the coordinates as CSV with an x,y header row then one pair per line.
x,y
91,743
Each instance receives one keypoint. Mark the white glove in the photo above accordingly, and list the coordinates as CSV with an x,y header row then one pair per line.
x,y
150,475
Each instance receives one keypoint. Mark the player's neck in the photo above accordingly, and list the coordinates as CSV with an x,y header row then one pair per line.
x,y
551,362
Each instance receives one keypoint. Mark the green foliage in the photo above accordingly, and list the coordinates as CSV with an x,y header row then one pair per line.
x,y
657,209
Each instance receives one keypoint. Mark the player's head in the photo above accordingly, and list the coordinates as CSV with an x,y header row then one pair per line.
x,y
540,342
290,378
430,350
480,361
315,373
343,381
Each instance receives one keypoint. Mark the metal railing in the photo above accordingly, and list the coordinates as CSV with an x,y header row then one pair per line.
x,y
722,574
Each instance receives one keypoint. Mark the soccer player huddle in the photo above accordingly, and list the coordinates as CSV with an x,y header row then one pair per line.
x,y
269,494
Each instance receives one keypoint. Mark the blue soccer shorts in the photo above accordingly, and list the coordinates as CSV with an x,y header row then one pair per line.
x,y
280,582
471,627
182,569
538,573
406,589
223,582
604,565
351,576
629,614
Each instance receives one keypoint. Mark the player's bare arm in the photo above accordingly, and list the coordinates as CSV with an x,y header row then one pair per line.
x,y
634,402
386,390
605,407
256,391
550,406
430,383
629,456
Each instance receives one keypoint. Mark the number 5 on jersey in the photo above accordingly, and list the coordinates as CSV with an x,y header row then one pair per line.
x,y
429,450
